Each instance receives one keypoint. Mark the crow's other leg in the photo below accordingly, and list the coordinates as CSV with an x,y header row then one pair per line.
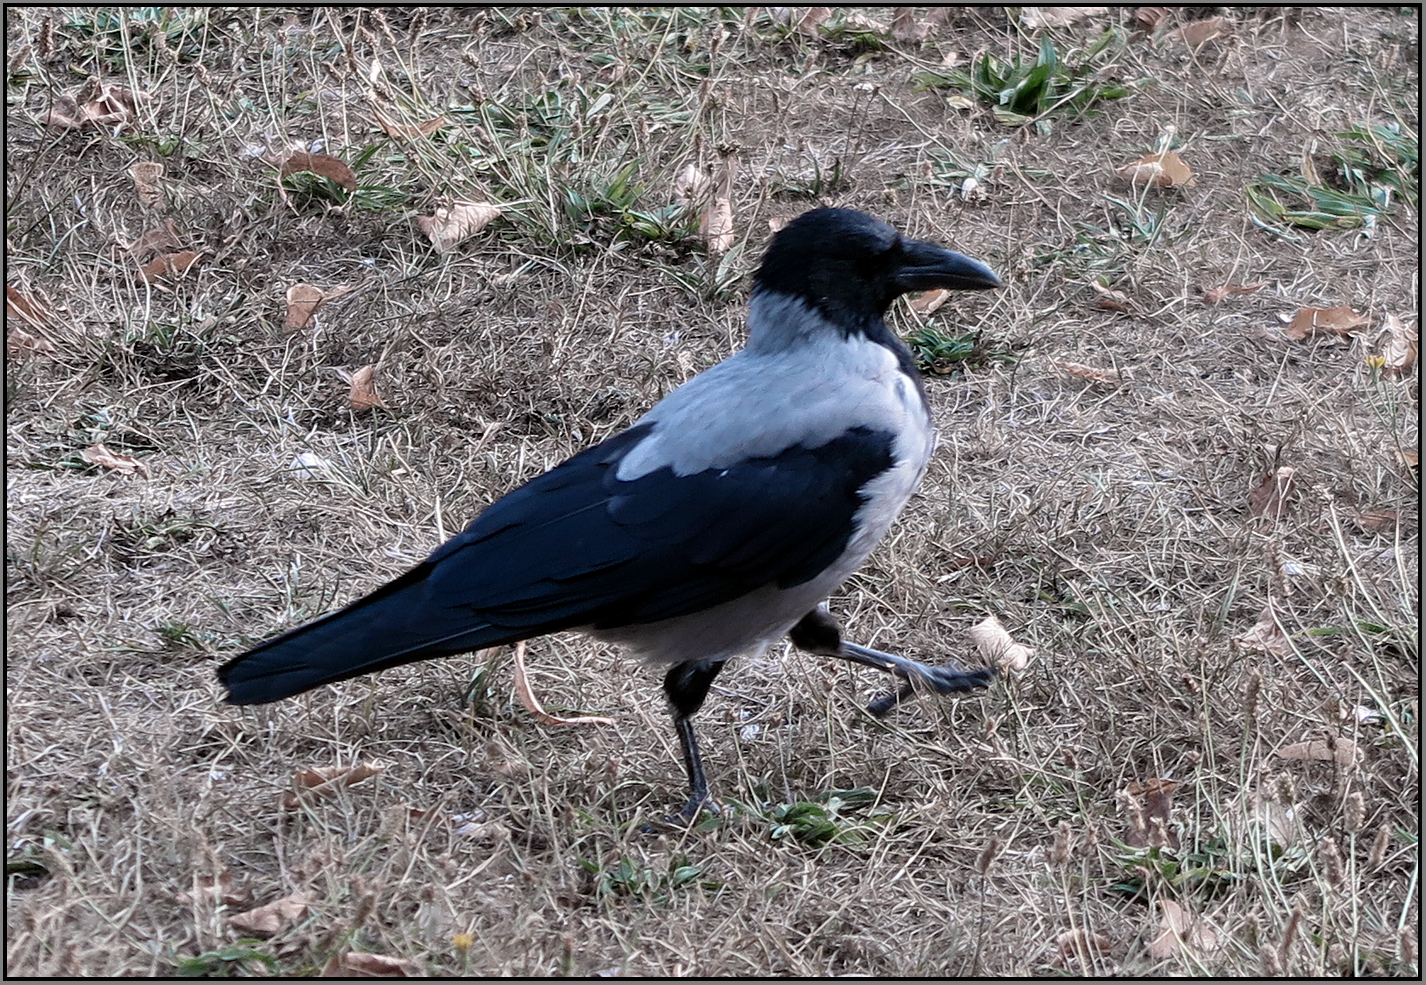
x,y
686,685
818,632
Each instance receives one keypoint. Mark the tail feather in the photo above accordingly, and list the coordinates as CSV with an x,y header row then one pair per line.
x,y
396,624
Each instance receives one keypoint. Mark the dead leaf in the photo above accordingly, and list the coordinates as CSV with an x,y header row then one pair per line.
x,y
998,647
1265,636
271,918
809,22
1409,460
1180,929
1273,494
1161,170
451,226
777,225
927,303
1340,321
692,186
1037,17
1213,296
364,964
329,167
1375,521
1081,943
206,889
363,395
532,703
160,239
1343,751
1195,34
1150,19
1111,300
1084,372
146,175
1399,353
20,344
907,28
19,306
327,780
96,105
408,131
170,266
855,21
1150,805
303,300
717,225
103,457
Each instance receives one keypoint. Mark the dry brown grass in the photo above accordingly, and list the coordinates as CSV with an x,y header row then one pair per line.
x,y
1106,524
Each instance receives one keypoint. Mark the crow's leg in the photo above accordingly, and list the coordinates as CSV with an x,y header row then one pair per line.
x,y
686,685
819,633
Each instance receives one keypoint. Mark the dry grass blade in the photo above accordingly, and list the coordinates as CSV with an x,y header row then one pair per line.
x,y
717,225
17,305
449,227
532,704
163,238
1084,372
408,131
20,344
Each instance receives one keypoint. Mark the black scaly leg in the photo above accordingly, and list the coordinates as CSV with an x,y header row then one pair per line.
x,y
687,685
818,632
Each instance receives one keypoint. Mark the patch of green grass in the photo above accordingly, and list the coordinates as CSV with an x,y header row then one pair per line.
x,y
233,961
1022,91
628,879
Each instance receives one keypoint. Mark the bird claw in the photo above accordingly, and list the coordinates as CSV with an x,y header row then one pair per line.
x,y
941,680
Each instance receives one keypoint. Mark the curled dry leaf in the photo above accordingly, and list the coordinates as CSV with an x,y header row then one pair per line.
x,y
1037,17
1376,521
163,238
692,186
1111,300
809,22
532,703
407,131
1198,33
1150,807
928,303
327,780
19,344
1342,751
364,964
1214,295
1399,353
271,918
1265,636
1340,321
1081,943
329,167
96,105
303,300
17,305
998,647
1273,494
1084,372
170,266
146,175
103,457
717,225
1162,170
363,395
1180,929
451,226
1150,19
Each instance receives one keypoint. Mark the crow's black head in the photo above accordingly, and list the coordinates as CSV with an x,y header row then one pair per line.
x,y
850,266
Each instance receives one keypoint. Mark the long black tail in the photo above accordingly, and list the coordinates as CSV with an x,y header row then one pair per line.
x,y
398,623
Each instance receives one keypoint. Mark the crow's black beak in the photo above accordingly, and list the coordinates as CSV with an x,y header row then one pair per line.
x,y
926,266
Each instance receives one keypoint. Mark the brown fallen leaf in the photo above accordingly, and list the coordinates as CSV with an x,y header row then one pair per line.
x,y
1150,806
532,703
329,167
271,918
363,395
1195,34
1214,295
692,187
146,175
1342,751
1037,17
928,303
1273,494
1150,19
303,300
449,227
20,344
1265,636
1110,299
998,647
407,131
1376,521
125,464
364,964
1181,930
1161,170
716,228
96,105
1409,460
1081,943
324,781
1084,372
1340,321
170,266
809,22
908,28
17,305
163,238
1399,353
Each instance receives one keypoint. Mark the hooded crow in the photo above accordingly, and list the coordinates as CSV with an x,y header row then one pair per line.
x,y
715,525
